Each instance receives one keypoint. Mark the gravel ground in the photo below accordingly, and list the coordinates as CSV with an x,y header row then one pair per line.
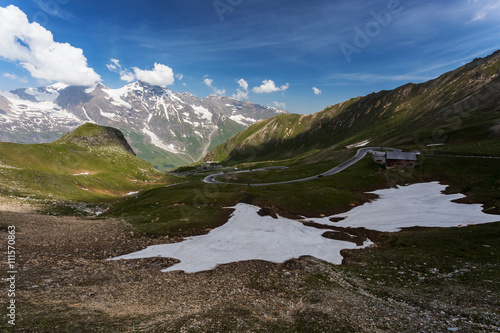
x,y
65,284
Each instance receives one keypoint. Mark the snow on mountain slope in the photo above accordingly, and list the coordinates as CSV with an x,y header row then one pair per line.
x,y
164,127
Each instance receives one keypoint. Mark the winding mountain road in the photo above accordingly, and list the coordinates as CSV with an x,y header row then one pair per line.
x,y
359,155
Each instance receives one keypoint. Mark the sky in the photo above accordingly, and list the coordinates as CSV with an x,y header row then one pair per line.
x,y
301,56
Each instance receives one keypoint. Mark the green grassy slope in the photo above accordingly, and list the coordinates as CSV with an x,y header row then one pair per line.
x,y
93,163
195,207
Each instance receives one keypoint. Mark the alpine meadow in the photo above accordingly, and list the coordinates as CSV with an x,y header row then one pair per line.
x,y
164,166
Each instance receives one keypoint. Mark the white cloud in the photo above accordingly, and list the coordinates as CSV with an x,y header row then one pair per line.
x,y
243,92
317,91
280,105
34,48
219,91
125,74
15,77
268,86
208,82
179,76
161,75
243,84
485,8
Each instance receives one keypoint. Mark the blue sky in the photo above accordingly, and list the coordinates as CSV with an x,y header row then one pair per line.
x,y
300,55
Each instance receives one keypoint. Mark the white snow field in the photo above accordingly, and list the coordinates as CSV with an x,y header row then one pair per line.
x,y
421,205
249,236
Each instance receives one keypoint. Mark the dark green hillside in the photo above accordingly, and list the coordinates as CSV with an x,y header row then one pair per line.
x,y
462,105
91,163
92,135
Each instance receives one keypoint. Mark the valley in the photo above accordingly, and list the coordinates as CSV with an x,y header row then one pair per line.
x,y
85,198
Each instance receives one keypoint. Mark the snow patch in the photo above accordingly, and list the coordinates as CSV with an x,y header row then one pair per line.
x,y
91,89
4,166
422,205
242,120
116,96
248,236
359,144
58,86
108,115
202,112
43,95
155,140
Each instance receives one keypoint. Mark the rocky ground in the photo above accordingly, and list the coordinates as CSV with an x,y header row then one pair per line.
x,y
65,284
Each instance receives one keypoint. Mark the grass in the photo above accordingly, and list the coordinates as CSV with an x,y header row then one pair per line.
x,y
196,207
433,266
71,172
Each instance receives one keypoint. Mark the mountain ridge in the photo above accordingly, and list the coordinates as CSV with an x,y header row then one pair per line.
x,y
454,106
164,127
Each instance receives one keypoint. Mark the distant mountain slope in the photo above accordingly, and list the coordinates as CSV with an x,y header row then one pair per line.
x,y
92,163
164,127
458,106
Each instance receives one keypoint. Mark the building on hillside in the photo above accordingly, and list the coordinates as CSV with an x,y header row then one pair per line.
x,y
379,157
393,159
400,160
210,166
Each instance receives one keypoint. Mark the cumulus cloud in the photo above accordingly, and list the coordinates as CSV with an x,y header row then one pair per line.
x,y
208,82
243,92
317,91
243,84
219,91
116,67
280,105
161,75
268,86
127,76
34,48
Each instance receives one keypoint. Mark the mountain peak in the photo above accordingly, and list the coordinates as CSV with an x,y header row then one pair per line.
x,y
95,136
58,86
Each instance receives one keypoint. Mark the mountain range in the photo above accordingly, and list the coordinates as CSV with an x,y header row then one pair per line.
x,y
163,127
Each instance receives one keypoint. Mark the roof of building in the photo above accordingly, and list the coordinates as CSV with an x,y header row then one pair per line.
x,y
392,155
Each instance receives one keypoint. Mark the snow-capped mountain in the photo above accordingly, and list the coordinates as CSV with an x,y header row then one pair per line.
x,y
164,127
